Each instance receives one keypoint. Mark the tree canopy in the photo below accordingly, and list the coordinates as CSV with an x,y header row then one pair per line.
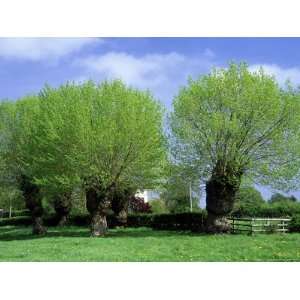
x,y
103,134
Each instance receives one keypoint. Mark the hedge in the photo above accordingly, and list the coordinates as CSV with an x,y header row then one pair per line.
x,y
294,225
276,210
178,221
16,213
17,221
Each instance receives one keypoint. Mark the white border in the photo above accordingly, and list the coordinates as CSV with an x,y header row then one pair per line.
x,y
149,18
149,281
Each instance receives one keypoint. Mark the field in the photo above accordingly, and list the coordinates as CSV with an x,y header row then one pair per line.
x,y
144,245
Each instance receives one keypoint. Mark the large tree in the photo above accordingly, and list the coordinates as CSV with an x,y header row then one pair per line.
x,y
231,124
107,137
17,132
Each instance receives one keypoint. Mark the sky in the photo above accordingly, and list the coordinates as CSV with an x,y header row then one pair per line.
x,y
161,65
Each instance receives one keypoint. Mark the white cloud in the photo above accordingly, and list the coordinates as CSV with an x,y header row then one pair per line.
x,y
144,71
37,49
163,73
281,74
150,69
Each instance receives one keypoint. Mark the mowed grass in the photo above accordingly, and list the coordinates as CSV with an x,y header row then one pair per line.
x,y
144,245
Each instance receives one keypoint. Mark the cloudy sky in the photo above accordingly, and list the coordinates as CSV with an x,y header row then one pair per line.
x,y
159,64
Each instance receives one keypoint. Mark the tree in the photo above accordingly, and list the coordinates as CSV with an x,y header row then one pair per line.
x,y
249,197
278,197
17,132
106,137
231,124
158,206
176,188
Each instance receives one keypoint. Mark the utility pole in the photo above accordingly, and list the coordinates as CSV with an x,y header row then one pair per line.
x,y
191,201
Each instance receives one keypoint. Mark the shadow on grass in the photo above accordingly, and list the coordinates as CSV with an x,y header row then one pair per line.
x,y
24,233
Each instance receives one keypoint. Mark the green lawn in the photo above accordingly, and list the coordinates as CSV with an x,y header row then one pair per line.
x,y
143,244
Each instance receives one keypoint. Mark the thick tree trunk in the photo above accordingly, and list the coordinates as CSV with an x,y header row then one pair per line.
x,y
38,227
122,218
62,206
97,203
33,202
221,192
120,202
98,224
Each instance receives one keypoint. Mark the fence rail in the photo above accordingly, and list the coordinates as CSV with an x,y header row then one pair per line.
x,y
259,225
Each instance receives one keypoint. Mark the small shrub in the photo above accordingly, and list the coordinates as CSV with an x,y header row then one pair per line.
x,y
138,205
158,206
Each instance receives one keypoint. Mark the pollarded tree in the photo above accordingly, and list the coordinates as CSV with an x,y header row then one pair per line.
x,y
233,124
107,136
17,121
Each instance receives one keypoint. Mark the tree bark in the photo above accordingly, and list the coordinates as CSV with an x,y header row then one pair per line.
x,y
98,224
120,202
97,203
33,202
62,206
221,192
38,227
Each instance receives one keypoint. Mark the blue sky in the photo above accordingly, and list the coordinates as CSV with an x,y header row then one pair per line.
x,y
159,64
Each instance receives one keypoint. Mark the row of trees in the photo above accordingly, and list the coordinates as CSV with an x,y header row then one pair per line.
x,y
105,139
226,128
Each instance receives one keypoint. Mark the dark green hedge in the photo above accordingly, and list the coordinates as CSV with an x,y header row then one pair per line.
x,y
16,213
23,220
295,224
178,221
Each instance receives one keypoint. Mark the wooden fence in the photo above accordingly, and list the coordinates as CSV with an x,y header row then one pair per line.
x,y
259,225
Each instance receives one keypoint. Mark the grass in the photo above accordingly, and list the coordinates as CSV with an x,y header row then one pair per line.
x,y
144,244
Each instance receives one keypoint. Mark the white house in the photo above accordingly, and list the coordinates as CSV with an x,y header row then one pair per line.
x,y
148,195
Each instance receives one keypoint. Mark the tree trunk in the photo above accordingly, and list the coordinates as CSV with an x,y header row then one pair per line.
x,y
97,203
38,227
120,202
33,202
221,192
62,206
122,218
98,224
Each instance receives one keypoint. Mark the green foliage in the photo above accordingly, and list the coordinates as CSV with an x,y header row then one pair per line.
x,y
240,119
275,210
10,196
102,134
158,206
249,197
176,189
277,197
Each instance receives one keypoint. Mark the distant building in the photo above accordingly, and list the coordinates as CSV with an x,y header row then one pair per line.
x,y
148,195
